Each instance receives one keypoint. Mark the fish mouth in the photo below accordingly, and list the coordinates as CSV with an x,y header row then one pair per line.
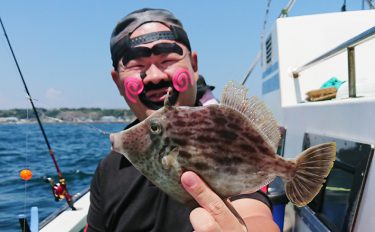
x,y
115,139
112,138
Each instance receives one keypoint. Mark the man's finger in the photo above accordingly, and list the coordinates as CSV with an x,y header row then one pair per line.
x,y
208,200
202,221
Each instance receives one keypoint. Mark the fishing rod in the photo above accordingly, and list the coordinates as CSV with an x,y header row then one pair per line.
x,y
60,190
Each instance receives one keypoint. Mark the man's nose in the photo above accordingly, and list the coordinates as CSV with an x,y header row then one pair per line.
x,y
154,74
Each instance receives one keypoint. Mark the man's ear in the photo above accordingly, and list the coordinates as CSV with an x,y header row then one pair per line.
x,y
194,64
117,80
194,61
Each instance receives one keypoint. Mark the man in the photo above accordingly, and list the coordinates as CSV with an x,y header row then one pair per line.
x,y
151,52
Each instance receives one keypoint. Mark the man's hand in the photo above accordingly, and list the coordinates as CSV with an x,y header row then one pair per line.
x,y
213,215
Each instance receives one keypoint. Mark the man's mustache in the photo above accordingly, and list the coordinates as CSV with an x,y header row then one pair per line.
x,y
161,84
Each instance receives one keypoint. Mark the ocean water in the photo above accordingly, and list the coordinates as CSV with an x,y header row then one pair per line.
x,y
78,148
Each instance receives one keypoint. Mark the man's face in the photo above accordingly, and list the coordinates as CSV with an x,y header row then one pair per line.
x,y
155,72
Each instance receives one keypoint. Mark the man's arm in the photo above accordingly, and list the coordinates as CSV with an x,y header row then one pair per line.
x,y
256,214
214,215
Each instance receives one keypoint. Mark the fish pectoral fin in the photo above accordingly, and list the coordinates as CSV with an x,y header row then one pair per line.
x,y
167,161
170,160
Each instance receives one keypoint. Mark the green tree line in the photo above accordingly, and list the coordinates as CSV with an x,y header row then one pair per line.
x,y
92,113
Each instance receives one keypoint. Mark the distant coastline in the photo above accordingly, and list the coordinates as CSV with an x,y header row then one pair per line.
x,y
66,115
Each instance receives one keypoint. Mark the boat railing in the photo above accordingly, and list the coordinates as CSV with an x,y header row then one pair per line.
x,y
348,46
62,209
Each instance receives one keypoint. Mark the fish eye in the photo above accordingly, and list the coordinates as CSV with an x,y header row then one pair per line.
x,y
155,127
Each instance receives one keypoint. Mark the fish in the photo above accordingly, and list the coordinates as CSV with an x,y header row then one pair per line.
x,y
231,146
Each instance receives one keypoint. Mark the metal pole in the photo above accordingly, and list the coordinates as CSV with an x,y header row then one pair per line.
x,y
351,72
251,68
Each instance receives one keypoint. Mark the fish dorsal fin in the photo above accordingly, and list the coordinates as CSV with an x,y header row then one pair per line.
x,y
235,97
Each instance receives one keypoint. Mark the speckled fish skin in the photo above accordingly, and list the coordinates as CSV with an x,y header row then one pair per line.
x,y
217,142
213,141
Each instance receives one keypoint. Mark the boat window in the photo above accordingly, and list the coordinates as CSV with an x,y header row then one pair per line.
x,y
338,202
269,50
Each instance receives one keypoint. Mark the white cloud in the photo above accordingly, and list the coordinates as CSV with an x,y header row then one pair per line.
x,y
53,94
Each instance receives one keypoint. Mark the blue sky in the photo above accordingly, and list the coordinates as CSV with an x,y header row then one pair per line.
x,y
63,46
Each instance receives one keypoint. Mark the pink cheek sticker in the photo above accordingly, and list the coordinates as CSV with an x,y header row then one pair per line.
x,y
133,87
181,80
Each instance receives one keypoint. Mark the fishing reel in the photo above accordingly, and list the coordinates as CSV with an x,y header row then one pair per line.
x,y
59,191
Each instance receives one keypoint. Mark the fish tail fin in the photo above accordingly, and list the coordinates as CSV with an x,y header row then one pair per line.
x,y
312,167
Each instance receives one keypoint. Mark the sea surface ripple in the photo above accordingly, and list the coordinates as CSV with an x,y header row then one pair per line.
x,y
78,148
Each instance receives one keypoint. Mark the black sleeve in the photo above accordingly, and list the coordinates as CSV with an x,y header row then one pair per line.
x,y
259,195
95,217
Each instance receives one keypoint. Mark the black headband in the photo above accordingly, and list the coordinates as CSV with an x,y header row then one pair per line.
x,y
177,34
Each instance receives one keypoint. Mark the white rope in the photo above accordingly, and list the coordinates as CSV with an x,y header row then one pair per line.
x,y
26,164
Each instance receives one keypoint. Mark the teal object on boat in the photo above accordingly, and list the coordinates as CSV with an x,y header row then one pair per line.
x,y
333,82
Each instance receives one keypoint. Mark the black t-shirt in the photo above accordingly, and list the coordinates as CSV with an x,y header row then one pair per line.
x,y
122,199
